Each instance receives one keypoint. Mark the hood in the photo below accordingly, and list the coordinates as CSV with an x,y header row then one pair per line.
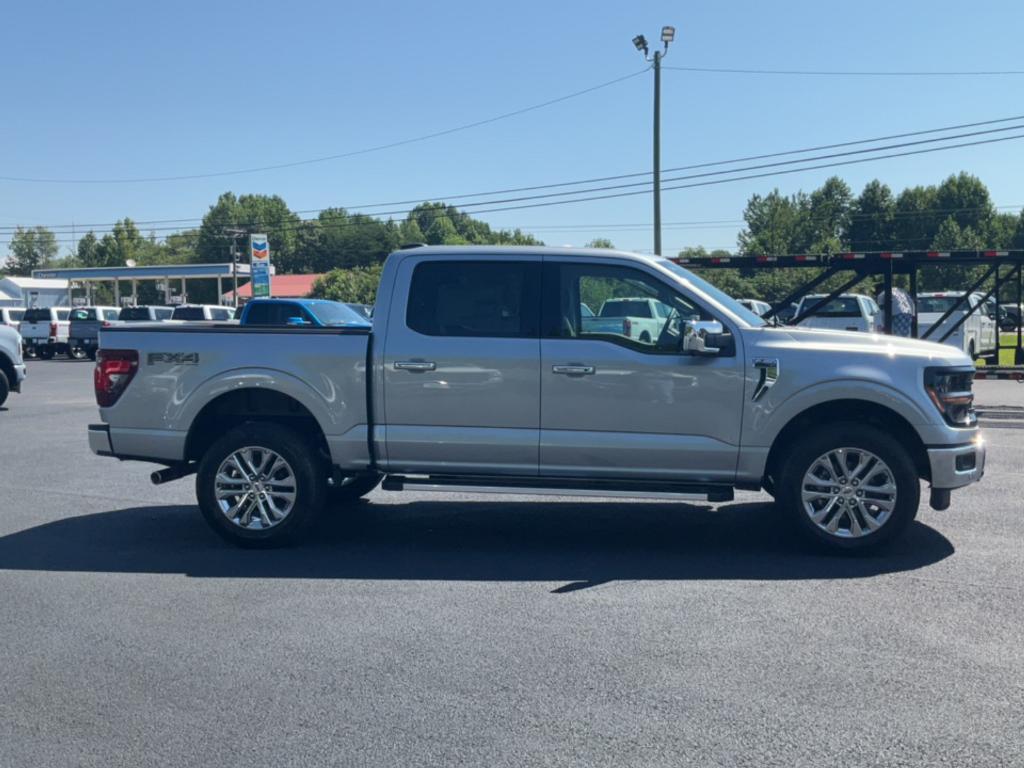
x,y
849,343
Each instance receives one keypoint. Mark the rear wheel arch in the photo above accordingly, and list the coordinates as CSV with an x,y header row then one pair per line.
x,y
846,410
247,405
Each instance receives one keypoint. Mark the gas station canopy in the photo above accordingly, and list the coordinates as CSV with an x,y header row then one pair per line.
x,y
163,273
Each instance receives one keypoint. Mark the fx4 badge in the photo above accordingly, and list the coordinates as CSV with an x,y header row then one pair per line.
x,y
173,358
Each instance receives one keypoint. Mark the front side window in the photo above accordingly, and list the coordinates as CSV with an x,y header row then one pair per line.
x,y
475,299
636,309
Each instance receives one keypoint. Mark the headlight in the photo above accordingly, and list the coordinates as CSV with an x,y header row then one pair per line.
x,y
950,390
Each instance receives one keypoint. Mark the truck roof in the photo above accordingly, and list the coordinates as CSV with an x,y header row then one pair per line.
x,y
523,250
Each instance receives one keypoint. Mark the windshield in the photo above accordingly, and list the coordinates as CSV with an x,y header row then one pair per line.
x,y
333,313
938,304
727,301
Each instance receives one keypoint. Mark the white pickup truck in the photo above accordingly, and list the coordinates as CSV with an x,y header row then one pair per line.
x,y
847,312
478,374
977,334
44,331
640,318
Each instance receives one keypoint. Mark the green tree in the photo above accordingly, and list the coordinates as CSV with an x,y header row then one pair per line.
x,y
872,219
776,224
263,214
826,217
357,285
87,251
602,242
349,240
31,248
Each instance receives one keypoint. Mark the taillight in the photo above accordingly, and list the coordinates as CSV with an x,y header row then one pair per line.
x,y
53,329
115,368
627,327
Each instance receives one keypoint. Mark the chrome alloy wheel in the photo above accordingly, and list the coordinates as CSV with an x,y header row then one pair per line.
x,y
255,488
849,492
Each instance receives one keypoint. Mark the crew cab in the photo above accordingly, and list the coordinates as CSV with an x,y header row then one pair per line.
x,y
635,317
847,312
145,314
478,373
44,331
12,366
84,329
202,312
977,331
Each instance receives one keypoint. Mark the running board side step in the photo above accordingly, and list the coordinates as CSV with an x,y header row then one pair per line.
x,y
559,486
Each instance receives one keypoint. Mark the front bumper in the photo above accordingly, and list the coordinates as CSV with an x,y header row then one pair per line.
x,y
20,372
957,466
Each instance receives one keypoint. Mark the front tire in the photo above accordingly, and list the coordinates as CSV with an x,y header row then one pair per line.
x,y
5,387
849,487
45,353
261,485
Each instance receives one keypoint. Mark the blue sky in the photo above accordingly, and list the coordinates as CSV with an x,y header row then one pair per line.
x,y
127,90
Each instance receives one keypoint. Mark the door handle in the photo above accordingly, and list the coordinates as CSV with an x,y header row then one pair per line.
x,y
418,366
573,370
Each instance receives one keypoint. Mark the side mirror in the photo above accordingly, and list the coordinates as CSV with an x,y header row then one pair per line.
x,y
702,337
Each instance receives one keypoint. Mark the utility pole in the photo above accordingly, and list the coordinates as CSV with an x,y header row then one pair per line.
x,y
667,36
234,233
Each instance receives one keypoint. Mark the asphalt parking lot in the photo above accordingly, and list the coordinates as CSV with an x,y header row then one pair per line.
x,y
426,629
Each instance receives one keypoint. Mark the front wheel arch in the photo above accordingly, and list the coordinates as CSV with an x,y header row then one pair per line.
x,y
836,411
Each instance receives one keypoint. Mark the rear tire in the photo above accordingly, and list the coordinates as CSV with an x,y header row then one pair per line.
x,y
849,487
5,387
972,352
92,354
77,353
261,485
45,353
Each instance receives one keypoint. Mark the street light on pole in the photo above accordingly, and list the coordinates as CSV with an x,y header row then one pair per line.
x,y
668,34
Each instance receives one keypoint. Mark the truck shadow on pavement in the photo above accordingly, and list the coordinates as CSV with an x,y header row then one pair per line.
x,y
582,544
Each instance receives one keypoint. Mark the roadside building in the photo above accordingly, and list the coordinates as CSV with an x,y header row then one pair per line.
x,y
282,287
34,292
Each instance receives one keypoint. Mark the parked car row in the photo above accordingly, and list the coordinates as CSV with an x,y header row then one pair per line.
x,y
978,320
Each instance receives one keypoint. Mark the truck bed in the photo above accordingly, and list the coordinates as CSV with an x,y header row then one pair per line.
x,y
187,370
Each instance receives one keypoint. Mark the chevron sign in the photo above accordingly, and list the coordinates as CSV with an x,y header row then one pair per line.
x,y
259,265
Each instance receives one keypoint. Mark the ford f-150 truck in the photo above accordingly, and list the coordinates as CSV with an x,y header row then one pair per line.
x,y
12,366
479,374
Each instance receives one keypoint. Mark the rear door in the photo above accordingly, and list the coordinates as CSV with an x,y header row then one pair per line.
x,y
461,366
615,406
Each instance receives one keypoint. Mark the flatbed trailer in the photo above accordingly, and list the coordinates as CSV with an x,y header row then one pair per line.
x,y
1004,269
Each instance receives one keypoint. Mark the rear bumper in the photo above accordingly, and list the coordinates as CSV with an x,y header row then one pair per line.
x,y
957,466
99,440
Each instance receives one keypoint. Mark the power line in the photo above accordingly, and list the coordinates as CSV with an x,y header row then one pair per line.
x,y
337,156
556,185
847,73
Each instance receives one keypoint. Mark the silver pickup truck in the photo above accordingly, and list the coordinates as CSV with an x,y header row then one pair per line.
x,y
479,374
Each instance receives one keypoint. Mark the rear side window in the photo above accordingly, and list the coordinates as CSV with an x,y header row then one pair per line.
x,y
37,316
16,315
163,313
220,314
62,314
110,314
475,298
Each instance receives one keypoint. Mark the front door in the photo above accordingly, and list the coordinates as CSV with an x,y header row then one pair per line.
x,y
462,367
618,397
